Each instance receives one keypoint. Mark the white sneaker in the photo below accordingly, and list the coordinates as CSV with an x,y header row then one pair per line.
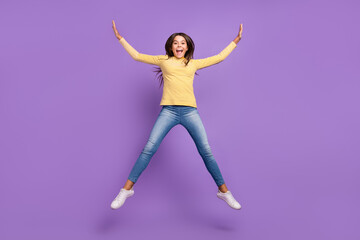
x,y
121,197
229,199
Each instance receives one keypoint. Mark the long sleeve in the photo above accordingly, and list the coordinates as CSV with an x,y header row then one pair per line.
x,y
206,62
145,58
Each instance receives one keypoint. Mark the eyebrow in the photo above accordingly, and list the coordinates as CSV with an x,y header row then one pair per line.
x,y
181,40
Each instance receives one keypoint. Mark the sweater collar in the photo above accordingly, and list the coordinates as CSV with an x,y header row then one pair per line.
x,y
178,59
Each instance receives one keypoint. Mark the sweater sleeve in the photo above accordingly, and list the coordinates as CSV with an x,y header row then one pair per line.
x,y
206,62
145,58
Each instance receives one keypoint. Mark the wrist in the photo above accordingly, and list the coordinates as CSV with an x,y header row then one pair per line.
x,y
237,39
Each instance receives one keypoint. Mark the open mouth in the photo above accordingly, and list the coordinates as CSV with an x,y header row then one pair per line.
x,y
179,51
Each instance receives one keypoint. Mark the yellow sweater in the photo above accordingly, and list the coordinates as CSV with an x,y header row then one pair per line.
x,y
178,78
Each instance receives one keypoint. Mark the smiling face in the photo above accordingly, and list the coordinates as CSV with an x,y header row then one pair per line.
x,y
179,46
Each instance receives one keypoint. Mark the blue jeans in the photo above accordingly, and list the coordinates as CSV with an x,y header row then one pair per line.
x,y
170,116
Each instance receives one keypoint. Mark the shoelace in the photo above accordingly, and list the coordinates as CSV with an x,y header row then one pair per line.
x,y
120,195
231,198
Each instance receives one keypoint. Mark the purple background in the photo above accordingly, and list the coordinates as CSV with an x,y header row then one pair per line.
x,y
281,113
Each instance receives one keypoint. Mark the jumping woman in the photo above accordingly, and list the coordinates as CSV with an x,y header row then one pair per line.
x,y
178,107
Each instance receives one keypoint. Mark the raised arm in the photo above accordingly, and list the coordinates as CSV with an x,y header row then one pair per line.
x,y
145,58
206,62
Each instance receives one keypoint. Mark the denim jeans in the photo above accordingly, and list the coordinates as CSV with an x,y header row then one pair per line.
x,y
170,116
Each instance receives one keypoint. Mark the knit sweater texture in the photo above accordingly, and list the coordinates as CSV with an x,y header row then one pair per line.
x,y
178,78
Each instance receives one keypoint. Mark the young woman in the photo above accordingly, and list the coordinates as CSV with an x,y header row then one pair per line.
x,y
178,107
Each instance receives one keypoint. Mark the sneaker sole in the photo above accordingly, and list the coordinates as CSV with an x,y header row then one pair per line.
x,y
228,204
124,201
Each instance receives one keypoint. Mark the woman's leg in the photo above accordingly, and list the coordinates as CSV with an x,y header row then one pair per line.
x,y
191,120
166,120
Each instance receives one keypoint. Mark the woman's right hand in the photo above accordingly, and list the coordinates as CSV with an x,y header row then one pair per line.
x,y
117,35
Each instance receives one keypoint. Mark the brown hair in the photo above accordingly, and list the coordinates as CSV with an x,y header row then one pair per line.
x,y
168,45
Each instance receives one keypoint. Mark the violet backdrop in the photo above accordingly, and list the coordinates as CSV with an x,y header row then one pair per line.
x,y
281,114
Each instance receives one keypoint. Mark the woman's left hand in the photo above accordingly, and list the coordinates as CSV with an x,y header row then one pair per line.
x,y
238,37
240,31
